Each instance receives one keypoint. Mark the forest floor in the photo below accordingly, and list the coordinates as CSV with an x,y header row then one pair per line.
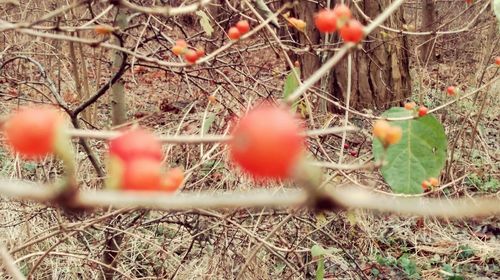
x,y
206,244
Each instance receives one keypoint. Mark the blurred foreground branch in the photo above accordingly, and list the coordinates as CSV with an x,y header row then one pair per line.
x,y
332,198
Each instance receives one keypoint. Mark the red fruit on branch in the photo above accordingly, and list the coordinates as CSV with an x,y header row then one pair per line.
x,y
422,111
178,50
410,105
243,26
451,90
267,142
326,21
434,181
200,52
352,31
136,143
191,56
181,43
497,60
234,33
173,179
426,185
32,131
142,174
343,14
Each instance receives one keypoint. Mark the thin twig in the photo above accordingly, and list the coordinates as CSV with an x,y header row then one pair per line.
x,y
10,264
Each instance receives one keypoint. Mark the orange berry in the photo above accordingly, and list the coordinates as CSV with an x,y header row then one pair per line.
x,y
181,43
326,21
352,31
450,90
234,33
434,182
426,185
422,111
173,179
103,29
394,134
212,99
136,143
32,131
380,129
178,50
191,56
142,174
267,142
343,14
410,105
497,60
243,26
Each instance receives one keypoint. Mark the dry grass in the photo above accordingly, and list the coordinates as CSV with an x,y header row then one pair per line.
x,y
200,244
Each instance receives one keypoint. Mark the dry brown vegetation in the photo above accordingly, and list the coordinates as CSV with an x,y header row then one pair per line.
x,y
49,242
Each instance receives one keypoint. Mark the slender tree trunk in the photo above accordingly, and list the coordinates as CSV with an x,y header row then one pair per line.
x,y
119,101
428,20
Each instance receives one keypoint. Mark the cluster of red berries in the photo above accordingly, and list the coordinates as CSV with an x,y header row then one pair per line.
x,y
135,159
430,183
190,55
387,134
240,29
421,111
135,156
340,18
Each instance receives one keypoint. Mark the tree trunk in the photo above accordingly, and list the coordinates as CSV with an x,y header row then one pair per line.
x,y
427,24
380,72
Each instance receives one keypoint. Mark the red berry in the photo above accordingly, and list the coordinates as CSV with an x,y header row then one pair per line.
x,y
422,111
326,21
200,52
234,33
243,26
191,56
451,90
136,143
353,153
32,131
469,1
426,185
267,142
497,60
142,174
346,146
342,12
352,31
173,179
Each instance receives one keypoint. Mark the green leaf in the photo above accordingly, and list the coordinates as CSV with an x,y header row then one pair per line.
x,y
496,9
419,155
317,250
205,23
291,83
